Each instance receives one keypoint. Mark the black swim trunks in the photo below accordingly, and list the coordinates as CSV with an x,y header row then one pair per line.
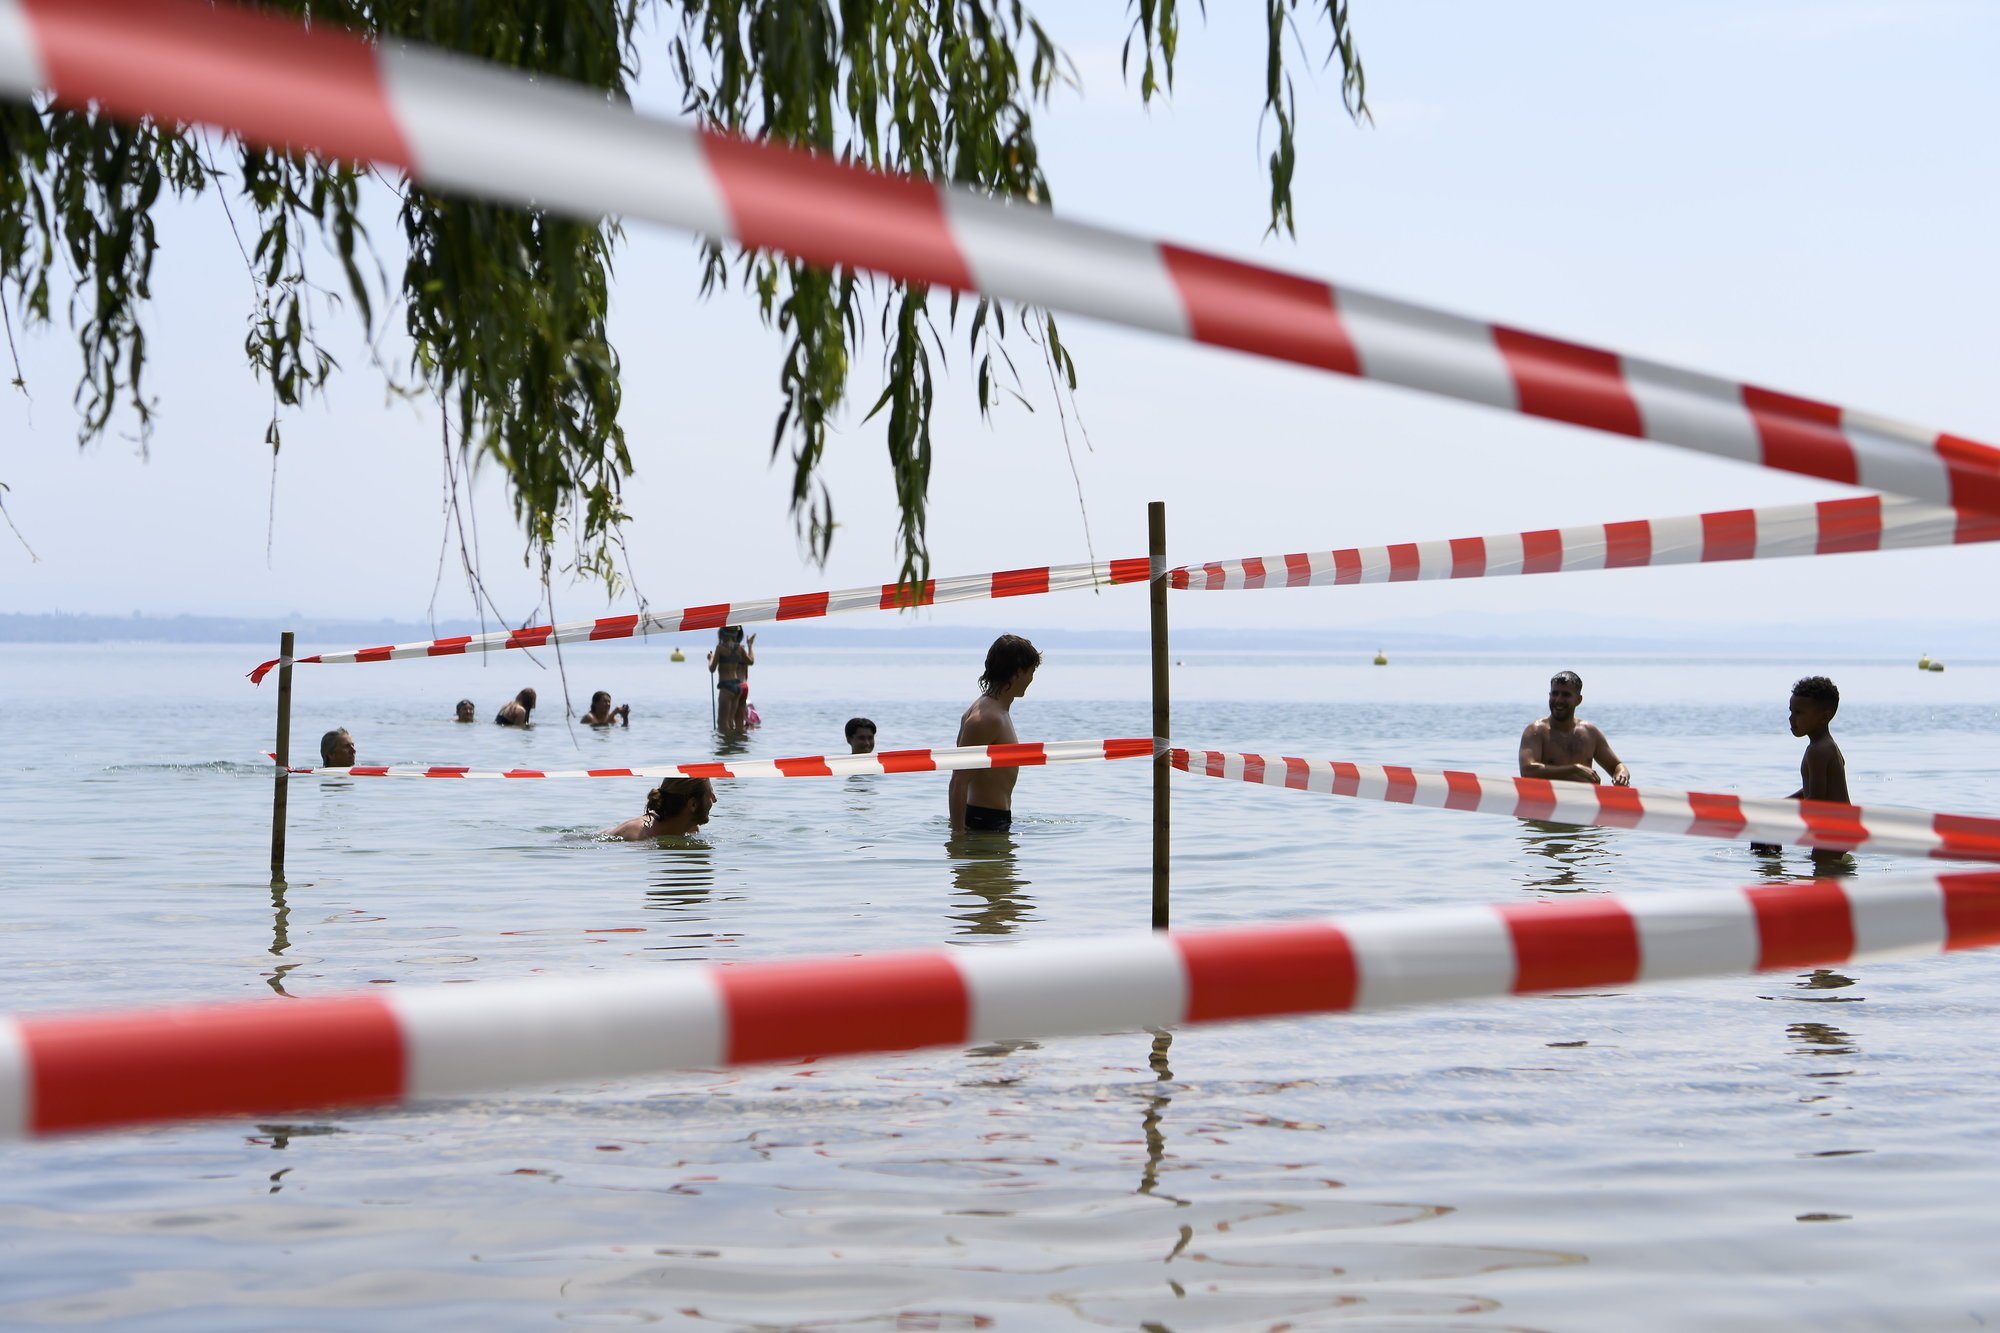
x,y
985,819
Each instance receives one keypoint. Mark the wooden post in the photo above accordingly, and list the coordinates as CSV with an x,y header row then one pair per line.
x,y
284,748
1156,547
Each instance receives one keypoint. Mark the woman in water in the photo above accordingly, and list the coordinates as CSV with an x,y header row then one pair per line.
x,y
731,660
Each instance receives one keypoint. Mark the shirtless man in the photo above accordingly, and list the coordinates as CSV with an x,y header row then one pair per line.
x,y
1823,770
676,807
982,800
602,714
1562,746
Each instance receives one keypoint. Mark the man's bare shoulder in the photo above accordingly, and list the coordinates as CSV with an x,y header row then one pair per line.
x,y
1590,729
1539,727
983,722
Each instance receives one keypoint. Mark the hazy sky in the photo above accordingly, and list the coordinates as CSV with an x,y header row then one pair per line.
x,y
1797,194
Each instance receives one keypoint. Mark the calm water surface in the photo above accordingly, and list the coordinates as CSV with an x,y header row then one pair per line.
x,y
1785,1150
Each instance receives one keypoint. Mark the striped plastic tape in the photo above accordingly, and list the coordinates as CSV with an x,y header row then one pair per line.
x,y
1830,527
62,1073
494,133
801,606
1820,824
1019,754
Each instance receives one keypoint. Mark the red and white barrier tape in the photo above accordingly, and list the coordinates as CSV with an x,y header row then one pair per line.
x,y
459,125
1020,754
61,1073
801,606
1830,527
1821,824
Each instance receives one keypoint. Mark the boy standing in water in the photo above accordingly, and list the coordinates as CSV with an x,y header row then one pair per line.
x,y
1823,770
982,800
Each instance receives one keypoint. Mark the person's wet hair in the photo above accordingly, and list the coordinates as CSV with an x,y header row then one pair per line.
x,y
331,742
672,796
855,724
1010,655
526,698
1569,678
1821,691
602,696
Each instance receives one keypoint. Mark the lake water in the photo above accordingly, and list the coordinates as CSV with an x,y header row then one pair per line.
x,y
1783,1150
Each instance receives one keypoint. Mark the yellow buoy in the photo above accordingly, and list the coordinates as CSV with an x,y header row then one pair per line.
x,y
678,656
1381,658
1924,662
1935,666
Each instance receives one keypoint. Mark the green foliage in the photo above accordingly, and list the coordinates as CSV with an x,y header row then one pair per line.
x,y
505,308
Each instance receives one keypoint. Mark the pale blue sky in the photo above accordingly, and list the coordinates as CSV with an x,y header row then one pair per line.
x,y
1797,194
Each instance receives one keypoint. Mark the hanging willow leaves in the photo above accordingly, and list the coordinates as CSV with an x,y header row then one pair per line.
x,y
505,308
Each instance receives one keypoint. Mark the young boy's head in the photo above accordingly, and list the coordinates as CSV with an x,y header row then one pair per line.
x,y
1814,702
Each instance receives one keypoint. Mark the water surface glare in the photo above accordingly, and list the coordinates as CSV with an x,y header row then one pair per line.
x,y
1782,1150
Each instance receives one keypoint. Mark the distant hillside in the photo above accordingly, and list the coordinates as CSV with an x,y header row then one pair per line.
x,y
1963,643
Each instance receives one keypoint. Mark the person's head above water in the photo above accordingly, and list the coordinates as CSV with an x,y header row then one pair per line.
x,y
526,698
1814,702
1565,693
680,805
860,736
1010,666
729,634
466,711
336,749
600,701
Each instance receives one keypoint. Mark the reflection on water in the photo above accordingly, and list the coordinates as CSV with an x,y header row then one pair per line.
x,y
1574,853
281,939
682,872
1157,1099
984,868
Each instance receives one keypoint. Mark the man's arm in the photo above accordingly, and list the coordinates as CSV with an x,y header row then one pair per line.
x,y
1533,767
961,783
1620,775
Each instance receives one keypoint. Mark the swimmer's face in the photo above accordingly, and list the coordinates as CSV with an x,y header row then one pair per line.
x,y
703,803
1022,680
862,741
1563,699
600,701
464,713
341,753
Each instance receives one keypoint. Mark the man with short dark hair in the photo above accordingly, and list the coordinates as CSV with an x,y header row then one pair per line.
x,y
336,749
981,800
1562,746
465,712
860,736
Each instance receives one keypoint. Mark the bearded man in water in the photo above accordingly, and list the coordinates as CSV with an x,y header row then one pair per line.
x,y
982,799
1562,746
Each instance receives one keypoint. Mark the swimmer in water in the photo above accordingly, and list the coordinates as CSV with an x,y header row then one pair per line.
x,y
731,660
676,807
860,736
1562,746
602,714
336,749
982,800
467,712
517,711
1823,769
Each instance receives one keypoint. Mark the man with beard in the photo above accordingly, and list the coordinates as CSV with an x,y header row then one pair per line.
x,y
1562,746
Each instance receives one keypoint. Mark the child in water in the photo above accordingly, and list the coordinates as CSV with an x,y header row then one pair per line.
x,y
1823,770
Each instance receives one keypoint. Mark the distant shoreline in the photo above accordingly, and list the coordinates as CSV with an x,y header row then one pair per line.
x,y
1968,644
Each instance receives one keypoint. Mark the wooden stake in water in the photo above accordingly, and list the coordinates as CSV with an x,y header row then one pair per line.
x,y
284,749
1156,547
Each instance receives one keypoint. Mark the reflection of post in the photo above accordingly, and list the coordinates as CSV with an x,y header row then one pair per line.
x,y
284,748
985,868
1156,548
1156,1105
281,938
